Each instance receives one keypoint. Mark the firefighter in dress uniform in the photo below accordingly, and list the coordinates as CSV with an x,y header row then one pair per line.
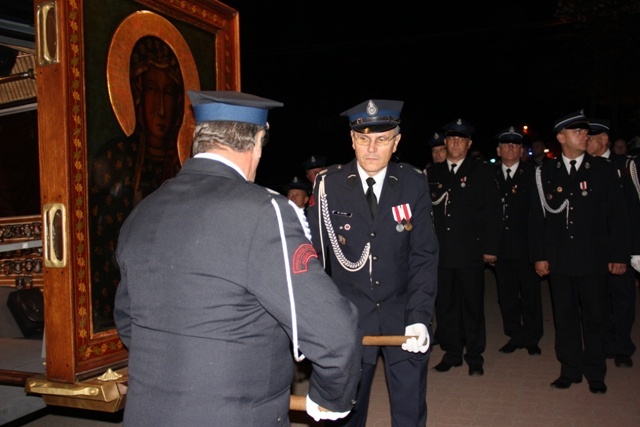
x,y
467,214
577,210
379,242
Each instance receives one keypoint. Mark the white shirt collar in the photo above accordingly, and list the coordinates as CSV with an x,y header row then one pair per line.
x,y
458,163
379,178
513,168
578,160
219,158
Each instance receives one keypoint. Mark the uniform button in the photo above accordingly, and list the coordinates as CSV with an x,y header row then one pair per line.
x,y
375,258
448,214
378,305
571,237
373,234
448,229
377,282
506,228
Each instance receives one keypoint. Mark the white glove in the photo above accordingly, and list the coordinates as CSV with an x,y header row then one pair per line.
x,y
635,262
419,345
314,411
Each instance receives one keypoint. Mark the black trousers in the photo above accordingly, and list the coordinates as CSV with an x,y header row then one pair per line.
x,y
520,301
460,314
407,384
578,314
620,313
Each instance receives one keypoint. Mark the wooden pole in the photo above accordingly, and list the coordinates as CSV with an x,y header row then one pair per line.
x,y
299,403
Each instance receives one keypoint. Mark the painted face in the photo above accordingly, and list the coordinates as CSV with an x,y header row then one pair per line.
x,y
160,96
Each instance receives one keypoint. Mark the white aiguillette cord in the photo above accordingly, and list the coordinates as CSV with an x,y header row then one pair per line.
x,y
543,202
292,303
323,213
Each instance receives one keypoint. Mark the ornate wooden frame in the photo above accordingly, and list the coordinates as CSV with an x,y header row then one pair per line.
x,y
73,351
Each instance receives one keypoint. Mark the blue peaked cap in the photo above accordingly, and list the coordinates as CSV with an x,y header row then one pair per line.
x,y
374,115
230,106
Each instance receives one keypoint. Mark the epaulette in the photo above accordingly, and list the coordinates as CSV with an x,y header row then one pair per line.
x,y
330,169
273,191
410,166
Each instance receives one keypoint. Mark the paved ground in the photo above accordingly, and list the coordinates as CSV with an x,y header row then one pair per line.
x,y
514,391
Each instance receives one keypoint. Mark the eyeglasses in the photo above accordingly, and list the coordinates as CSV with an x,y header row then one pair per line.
x,y
381,141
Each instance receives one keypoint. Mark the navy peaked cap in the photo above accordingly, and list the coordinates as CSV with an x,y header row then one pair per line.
x,y
230,106
314,162
374,115
599,126
510,134
575,120
299,184
436,140
458,127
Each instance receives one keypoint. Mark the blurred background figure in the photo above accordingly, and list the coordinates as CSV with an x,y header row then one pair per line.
x,y
620,147
519,293
438,150
298,191
313,165
539,151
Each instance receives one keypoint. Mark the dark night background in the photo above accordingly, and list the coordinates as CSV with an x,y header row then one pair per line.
x,y
494,63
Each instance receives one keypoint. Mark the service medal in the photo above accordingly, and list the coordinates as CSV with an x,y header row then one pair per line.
x,y
402,213
583,187
463,181
514,189
408,226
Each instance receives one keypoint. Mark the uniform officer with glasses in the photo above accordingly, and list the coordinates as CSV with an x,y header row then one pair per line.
x,y
371,225
467,213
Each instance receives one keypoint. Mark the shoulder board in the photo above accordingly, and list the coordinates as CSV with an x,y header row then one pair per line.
x,y
270,191
330,169
408,166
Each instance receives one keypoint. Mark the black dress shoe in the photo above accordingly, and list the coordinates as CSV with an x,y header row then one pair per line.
x,y
564,382
597,387
623,362
534,350
444,366
509,347
476,370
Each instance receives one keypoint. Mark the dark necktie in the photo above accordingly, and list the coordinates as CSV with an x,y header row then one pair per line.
x,y
508,178
572,169
453,168
371,197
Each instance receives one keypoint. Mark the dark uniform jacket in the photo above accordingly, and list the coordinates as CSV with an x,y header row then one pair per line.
x,y
203,306
590,231
401,287
467,212
516,197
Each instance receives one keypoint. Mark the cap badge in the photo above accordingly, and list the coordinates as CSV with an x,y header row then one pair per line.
x,y
459,122
512,130
372,109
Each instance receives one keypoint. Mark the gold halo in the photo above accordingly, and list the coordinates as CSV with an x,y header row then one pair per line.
x,y
133,28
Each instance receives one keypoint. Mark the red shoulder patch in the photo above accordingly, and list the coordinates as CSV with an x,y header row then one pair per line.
x,y
312,201
301,258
